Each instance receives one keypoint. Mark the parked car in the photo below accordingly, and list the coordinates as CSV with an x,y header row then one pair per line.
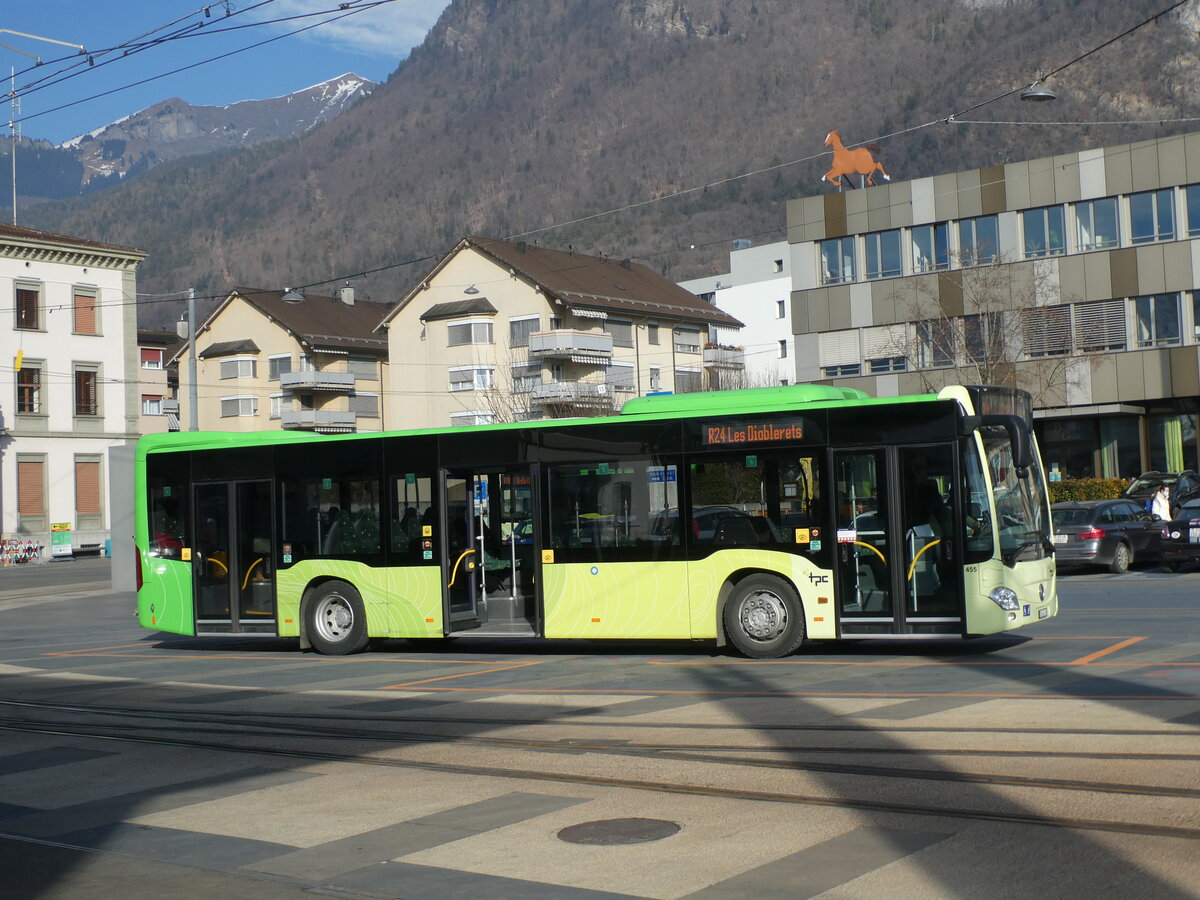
x,y
718,524
1180,538
1111,533
1184,486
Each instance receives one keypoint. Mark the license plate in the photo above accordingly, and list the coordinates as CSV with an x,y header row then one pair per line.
x,y
1194,535
1062,538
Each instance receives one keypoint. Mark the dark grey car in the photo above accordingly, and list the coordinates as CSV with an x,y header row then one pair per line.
x,y
1110,533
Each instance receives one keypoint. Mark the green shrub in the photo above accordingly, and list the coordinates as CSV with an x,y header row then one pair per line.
x,y
1086,489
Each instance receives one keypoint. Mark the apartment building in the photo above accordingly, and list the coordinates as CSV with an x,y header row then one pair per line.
x,y
502,331
282,359
1075,276
158,381
69,377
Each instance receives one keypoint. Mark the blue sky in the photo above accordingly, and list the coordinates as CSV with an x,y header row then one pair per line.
x,y
371,42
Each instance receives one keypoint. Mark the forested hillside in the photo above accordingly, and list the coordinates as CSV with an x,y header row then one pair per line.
x,y
521,116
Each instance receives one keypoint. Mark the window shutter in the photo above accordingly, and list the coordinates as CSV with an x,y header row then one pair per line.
x,y
85,314
1100,325
1048,331
87,488
152,356
884,342
31,488
839,348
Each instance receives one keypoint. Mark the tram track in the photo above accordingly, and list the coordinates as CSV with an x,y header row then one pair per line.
x,y
289,736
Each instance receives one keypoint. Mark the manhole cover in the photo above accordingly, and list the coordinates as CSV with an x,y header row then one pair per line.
x,y
609,832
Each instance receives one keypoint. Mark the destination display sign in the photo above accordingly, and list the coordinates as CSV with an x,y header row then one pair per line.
x,y
737,433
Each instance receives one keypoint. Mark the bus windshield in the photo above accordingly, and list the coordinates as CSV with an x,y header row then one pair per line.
x,y
1021,520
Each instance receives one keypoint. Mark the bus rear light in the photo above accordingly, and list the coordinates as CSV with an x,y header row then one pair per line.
x,y
137,563
1092,534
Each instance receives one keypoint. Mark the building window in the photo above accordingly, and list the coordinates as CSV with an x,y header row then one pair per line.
x,y
519,331
278,365
87,398
837,261
241,367
688,381
84,312
777,265
1196,317
526,377
781,309
622,332
883,254
277,405
151,405
930,247
29,308
366,405
885,348
151,358
363,367
468,378
1043,232
984,339
839,353
29,389
652,333
459,420
841,371
1047,331
619,376
469,333
1152,216
87,492
934,343
783,349
978,241
1158,320
31,491
238,406
1096,224
1100,326
655,378
687,340
887,364
1192,197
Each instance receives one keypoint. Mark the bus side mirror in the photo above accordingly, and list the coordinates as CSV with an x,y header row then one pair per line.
x,y
1018,437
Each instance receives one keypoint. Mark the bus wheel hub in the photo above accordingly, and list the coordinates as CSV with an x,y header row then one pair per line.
x,y
763,616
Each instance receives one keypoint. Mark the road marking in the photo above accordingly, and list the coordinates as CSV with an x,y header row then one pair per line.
x,y
521,665
1091,657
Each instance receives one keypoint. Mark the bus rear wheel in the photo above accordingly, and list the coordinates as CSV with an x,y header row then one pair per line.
x,y
764,618
336,619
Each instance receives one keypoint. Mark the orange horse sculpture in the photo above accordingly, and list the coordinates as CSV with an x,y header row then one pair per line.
x,y
861,160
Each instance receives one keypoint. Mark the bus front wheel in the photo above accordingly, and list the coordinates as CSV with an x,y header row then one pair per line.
x,y
337,621
764,618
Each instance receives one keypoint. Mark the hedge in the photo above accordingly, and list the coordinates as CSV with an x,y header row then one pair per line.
x,y
1087,489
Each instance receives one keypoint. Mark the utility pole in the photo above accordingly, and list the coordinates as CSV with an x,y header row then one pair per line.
x,y
193,394
15,121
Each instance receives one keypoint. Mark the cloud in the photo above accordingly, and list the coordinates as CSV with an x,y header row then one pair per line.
x,y
390,30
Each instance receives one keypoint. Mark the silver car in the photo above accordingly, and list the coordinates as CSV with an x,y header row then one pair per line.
x,y
1112,533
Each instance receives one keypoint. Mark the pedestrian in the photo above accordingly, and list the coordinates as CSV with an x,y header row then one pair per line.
x,y
1161,505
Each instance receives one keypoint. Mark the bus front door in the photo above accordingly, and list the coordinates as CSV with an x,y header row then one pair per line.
x,y
490,564
232,571
896,554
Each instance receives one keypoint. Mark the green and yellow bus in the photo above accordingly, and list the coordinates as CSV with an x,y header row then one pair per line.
x,y
756,518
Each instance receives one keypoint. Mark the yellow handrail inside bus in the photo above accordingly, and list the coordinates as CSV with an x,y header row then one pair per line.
x,y
912,567
224,568
873,549
454,571
246,580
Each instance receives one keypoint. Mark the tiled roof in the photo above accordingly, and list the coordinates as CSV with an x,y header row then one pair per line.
x,y
323,322
476,305
228,348
600,283
16,232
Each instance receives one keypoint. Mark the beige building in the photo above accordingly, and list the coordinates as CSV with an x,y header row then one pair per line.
x,y
270,359
1075,276
157,381
502,331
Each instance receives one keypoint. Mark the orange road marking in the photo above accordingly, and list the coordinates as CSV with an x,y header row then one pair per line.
x,y
1086,660
522,665
902,695
92,649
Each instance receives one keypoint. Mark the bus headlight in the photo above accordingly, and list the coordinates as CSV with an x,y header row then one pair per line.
x,y
1005,598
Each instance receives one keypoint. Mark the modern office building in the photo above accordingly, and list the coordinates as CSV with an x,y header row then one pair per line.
x,y
1075,276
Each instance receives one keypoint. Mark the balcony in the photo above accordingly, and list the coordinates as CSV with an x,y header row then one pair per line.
x,y
578,394
719,356
325,421
170,406
589,347
313,380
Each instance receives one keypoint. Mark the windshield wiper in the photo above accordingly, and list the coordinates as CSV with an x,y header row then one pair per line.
x,y
1009,558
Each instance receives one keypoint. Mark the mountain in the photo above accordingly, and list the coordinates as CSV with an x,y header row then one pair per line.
x,y
174,129
512,118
